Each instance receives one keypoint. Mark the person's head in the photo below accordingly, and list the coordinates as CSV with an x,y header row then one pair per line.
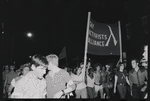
x,y
12,67
90,70
25,69
18,71
89,63
78,71
103,68
134,63
52,60
98,67
81,64
6,67
107,67
39,65
121,66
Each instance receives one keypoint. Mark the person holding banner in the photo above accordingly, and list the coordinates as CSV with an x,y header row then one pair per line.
x,y
90,82
81,91
59,81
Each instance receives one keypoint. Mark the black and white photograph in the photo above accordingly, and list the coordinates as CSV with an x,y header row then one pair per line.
x,y
74,49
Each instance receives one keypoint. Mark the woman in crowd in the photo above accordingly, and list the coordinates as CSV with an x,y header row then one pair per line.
x,y
121,80
24,70
81,91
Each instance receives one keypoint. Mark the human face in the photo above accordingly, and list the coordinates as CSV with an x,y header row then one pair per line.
x,y
103,68
121,67
6,67
79,71
25,70
89,64
134,64
12,67
41,70
98,68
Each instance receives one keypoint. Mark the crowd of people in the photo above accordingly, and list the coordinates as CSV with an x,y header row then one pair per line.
x,y
43,78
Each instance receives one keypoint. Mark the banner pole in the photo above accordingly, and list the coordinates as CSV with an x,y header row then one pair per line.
x,y
86,44
120,40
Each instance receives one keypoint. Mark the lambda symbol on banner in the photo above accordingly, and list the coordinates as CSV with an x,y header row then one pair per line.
x,y
111,34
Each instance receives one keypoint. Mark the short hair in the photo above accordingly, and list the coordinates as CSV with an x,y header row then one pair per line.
x,y
26,65
136,60
38,60
90,70
53,58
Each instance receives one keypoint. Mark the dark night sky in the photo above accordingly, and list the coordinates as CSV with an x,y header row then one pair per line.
x,y
55,24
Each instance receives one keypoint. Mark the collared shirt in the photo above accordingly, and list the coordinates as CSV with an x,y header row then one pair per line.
x,y
57,83
10,76
133,78
30,86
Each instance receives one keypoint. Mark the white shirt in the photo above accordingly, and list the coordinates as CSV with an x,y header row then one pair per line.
x,y
90,82
79,78
30,86
13,82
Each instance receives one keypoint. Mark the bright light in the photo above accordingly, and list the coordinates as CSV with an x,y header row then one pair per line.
x,y
29,34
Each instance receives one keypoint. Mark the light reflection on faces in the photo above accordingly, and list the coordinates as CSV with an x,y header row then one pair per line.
x,y
41,70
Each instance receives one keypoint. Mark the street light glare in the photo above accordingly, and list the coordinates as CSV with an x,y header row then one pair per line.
x,y
29,34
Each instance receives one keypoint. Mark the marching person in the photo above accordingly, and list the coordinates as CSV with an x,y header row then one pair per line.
x,y
90,77
81,91
58,81
98,82
11,75
90,82
5,72
105,80
137,78
24,70
32,85
120,81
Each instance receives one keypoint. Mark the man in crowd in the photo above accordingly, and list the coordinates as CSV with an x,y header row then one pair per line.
x,y
137,78
59,82
5,72
32,85
105,80
98,83
11,75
